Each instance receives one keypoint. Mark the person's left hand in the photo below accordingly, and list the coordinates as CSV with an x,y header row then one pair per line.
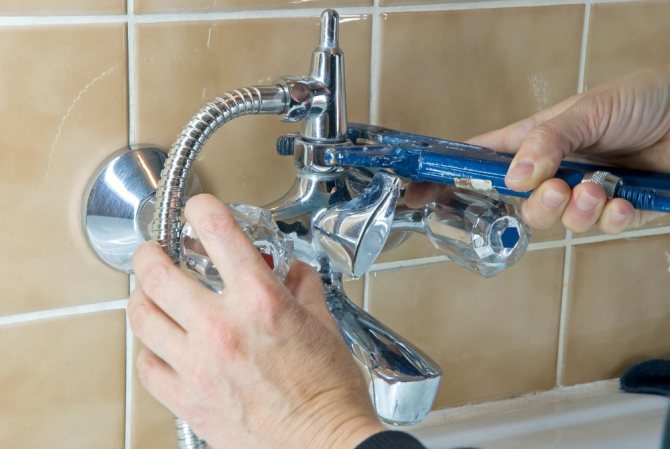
x,y
261,365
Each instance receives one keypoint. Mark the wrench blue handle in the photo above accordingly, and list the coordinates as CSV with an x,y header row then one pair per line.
x,y
423,158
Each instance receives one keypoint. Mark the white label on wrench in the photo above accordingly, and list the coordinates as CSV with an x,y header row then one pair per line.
x,y
478,185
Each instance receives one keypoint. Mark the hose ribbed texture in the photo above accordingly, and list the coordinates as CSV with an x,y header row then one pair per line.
x,y
170,196
186,438
170,199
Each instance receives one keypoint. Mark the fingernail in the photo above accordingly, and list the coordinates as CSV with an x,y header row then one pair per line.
x,y
520,171
552,199
586,202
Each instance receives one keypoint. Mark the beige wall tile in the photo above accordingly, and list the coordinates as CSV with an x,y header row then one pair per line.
x,y
619,308
152,6
455,74
626,37
183,65
61,7
65,103
493,338
63,383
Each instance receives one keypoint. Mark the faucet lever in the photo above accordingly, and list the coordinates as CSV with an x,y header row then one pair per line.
x,y
353,234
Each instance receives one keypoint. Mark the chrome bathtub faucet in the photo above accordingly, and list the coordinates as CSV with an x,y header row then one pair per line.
x,y
344,208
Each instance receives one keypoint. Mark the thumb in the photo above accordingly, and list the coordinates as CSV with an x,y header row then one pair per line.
x,y
543,148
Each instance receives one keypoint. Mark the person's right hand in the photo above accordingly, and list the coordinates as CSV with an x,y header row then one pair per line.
x,y
625,122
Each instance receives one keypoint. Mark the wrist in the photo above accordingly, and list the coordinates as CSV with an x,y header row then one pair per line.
x,y
354,432
335,426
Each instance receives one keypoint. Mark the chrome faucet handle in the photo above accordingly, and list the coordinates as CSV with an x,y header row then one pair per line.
x,y
353,234
475,230
261,229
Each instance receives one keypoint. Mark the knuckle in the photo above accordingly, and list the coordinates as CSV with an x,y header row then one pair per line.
x,y
216,225
537,219
549,141
136,313
145,366
267,304
154,277
576,225
225,338
193,413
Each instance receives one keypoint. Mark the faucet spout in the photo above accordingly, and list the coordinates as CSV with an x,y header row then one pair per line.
x,y
403,379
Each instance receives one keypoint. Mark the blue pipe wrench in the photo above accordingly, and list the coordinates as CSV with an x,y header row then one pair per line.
x,y
422,158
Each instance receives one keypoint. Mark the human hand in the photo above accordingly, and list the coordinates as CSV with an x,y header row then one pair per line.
x,y
625,121
261,365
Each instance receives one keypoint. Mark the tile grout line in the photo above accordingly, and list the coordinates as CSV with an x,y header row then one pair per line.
x,y
132,140
375,50
366,292
128,384
84,309
130,365
581,81
564,311
282,13
564,316
132,88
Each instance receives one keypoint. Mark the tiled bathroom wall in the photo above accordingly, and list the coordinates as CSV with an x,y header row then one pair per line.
x,y
81,79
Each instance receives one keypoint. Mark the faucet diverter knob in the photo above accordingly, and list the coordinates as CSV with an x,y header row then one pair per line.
x,y
353,234
481,233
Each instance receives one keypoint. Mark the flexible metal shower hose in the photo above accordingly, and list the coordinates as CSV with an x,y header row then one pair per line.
x,y
170,199
170,195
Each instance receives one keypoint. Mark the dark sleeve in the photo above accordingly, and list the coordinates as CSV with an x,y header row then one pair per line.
x,y
391,440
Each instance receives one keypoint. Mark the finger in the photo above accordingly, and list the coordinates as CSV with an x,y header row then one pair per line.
x,y
305,285
172,290
509,138
156,330
159,379
232,252
584,208
546,204
617,215
418,194
544,147
646,216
